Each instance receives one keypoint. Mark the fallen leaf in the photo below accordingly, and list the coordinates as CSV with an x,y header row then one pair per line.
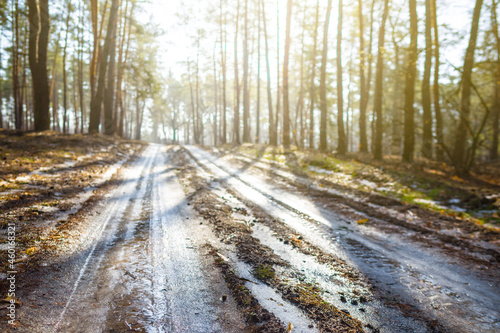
x,y
31,251
290,327
363,221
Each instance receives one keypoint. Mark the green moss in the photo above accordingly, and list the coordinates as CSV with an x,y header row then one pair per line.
x,y
264,272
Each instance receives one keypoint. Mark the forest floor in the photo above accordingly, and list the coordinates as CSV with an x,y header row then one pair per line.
x,y
245,239
46,179
427,184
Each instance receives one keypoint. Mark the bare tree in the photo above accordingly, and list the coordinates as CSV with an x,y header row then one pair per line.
x,y
411,71
379,82
272,132
461,161
342,147
312,89
38,42
426,85
286,102
322,85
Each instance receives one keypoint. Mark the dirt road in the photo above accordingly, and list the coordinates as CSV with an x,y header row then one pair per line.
x,y
189,242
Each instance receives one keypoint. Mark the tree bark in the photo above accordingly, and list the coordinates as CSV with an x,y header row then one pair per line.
x,y
38,43
278,87
109,125
246,95
379,82
461,134
65,79
16,88
97,100
363,142
286,101
496,109
312,89
341,148
426,85
435,87
236,125
223,64
409,124
257,121
322,86
272,133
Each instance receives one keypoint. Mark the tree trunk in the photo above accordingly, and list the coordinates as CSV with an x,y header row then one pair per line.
x,y
278,87
299,114
461,134
96,103
363,142
341,148
38,42
236,126
272,133
379,81
286,101
16,88
257,121
65,80
123,59
216,97
312,89
409,124
223,64
496,109
94,10
322,85
426,86
80,69
246,96
396,113
367,89
435,88
109,128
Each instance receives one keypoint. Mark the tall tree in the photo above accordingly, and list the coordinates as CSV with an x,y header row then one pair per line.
x,y
411,71
257,121
496,109
342,146
16,66
363,142
272,132
426,85
278,69
460,160
236,126
435,87
109,92
322,85
97,99
246,92
65,79
38,43
223,65
312,89
286,101
379,81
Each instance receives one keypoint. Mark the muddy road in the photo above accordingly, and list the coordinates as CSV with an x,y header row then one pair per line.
x,y
192,242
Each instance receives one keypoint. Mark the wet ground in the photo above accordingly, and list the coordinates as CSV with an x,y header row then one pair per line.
x,y
189,242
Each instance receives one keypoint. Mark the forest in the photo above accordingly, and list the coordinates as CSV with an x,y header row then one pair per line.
x,y
361,76
249,166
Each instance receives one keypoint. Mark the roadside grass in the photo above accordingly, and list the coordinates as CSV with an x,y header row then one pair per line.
x,y
427,184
